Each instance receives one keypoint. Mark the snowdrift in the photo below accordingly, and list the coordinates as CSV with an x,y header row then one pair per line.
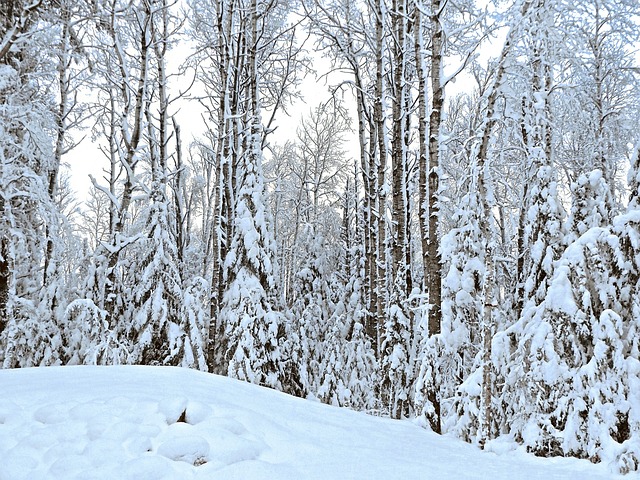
x,y
159,423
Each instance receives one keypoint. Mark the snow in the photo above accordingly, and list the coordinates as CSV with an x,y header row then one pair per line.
x,y
8,76
130,422
560,296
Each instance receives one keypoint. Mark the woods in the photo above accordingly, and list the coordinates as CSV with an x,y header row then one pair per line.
x,y
475,265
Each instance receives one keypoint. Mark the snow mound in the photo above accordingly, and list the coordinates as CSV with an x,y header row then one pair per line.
x,y
157,423
186,448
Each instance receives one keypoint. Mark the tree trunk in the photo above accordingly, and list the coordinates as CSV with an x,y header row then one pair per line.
x,y
223,174
487,367
380,164
368,204
489,254
61,131
5,275
423,166
398,153
434,272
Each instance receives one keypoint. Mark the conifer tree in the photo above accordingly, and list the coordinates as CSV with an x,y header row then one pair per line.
x,y
536,370
311,310
253,325
349,370
462,310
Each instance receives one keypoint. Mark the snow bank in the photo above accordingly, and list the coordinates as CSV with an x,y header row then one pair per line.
x,y
168,423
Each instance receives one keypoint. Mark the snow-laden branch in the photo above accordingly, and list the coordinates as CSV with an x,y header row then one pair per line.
x,y
18,28
112,198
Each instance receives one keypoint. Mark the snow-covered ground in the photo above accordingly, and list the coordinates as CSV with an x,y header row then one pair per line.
x,y
153,423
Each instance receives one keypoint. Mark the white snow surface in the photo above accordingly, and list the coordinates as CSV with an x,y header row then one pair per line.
x,y
156,423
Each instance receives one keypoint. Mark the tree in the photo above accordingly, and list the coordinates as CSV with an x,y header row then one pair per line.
x,y
250,317
349,370
253,327
28,213
347,39
311,311
122,80
600,77
466,23
239,77
162,324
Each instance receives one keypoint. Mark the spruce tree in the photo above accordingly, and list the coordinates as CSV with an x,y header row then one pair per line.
x,y
250,314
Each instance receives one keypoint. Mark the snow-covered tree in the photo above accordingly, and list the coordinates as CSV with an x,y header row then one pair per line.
x,y
349,370
121,54
304,178
463,306
396,358
532,391
311,310
29,288
591,203
250,322
162,318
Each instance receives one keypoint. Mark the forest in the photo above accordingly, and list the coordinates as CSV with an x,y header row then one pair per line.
x,y
474,266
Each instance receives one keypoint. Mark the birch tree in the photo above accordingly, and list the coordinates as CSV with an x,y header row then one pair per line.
x,y
466,25
250,317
